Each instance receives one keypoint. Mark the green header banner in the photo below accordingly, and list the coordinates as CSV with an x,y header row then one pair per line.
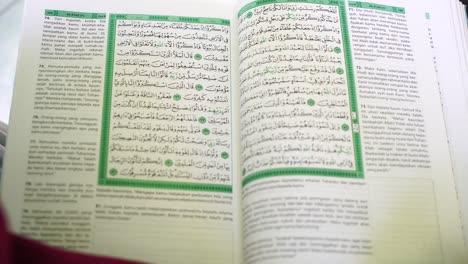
x,y
198,20
393,9
73,14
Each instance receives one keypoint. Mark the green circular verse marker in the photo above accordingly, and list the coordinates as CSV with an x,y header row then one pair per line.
x,y
168,163
205,131
224,155
311,102
113,171
337,50
198,87
339,71
202,120
176,97
243,172
345,127
249,14
198,56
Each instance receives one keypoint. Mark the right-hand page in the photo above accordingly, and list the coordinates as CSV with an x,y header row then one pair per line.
x,y
343,144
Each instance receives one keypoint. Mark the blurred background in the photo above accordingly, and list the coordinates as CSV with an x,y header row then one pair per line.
x,y
10,25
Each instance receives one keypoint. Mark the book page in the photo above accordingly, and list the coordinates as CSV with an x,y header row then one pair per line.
x,y
452,90
343,147
121,140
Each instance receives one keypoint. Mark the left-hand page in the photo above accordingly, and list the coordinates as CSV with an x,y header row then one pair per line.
x,y
121,139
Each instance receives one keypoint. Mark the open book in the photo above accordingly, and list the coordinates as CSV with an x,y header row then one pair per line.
x,y
272,131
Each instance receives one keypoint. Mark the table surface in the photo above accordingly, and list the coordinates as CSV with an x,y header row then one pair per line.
x,y
10,25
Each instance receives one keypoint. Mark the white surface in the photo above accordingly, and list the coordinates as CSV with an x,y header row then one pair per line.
x,y
10,21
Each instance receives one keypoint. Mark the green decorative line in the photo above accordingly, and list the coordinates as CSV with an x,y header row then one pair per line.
x,y
386,8
106,109
359,171
73,14
169,185
300,172
106,114
351,89
196,20
267,2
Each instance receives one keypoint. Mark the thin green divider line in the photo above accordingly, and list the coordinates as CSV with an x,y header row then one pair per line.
x,y
359,172
196,20
386,8
73,14
351,87
106,111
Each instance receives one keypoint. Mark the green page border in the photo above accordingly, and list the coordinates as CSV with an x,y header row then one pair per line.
x,y
106,109
359,172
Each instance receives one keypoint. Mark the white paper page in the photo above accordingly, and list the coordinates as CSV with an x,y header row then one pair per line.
x,y
121,140
453,94
327,181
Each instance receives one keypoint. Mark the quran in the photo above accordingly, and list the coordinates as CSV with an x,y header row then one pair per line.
x,y
268,131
